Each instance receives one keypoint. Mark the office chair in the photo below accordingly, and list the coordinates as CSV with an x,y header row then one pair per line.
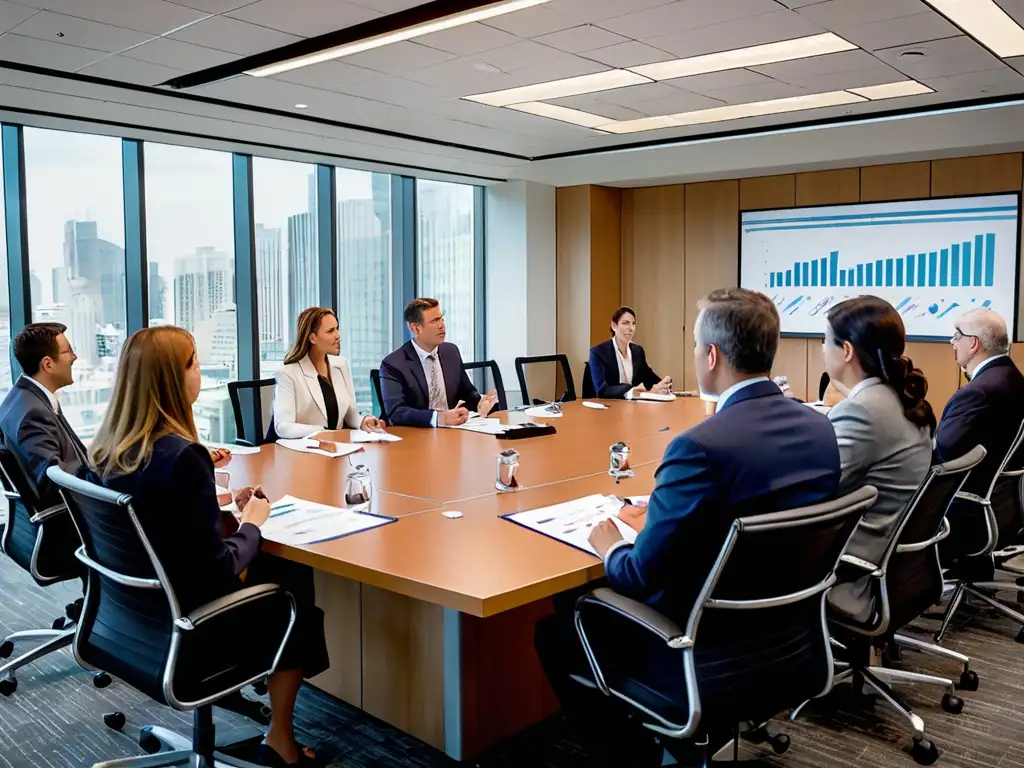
x,y
906,583
996,520
131,626
751,647
589,391
499,384
378,393
823,383
42,542
562,360
262,390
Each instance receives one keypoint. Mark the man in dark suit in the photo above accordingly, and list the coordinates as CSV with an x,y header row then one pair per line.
x,y
33,424
424,383
761,452
619,368
987,411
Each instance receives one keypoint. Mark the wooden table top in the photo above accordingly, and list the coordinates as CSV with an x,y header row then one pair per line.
x,y
479,564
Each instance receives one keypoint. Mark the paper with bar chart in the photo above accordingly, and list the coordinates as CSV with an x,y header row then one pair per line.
x,y
931,259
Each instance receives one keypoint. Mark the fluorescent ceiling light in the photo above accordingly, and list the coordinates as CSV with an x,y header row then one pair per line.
x,y
736,111
557,89
986,22
787,50
565,114
892,90
377,41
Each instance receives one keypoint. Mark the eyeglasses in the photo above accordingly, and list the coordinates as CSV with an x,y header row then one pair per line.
x,y
958,334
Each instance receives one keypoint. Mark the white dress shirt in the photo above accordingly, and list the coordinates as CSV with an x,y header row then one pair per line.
x,y
50,396
727,395
625,367
426,363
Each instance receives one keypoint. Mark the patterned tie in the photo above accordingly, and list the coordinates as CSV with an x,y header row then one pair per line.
x,y
438,401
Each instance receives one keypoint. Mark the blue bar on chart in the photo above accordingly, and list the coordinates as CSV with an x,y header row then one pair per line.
x,y
814,273
933,264
869,275
824,273
833,271
778,278
849,277
967,266
806,279
888,273
842,279
879,280
796,274
860,275
979,257
990,258
944,267
920,270
789,277
954,268
910,270
899,272
771,279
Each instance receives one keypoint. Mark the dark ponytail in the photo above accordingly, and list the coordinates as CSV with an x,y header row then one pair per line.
x,y
875,330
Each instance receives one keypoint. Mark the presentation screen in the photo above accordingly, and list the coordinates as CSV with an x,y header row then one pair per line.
x,y
931,259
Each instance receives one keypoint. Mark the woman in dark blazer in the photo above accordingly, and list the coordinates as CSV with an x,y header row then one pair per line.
x,y
148,447
619,368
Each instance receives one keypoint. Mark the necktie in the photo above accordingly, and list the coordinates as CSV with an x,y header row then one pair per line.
x,y
438,401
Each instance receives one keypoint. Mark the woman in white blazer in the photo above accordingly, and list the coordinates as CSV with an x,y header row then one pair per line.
x,y
314,388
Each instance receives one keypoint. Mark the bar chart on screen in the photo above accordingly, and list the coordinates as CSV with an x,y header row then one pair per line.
x,y
931,259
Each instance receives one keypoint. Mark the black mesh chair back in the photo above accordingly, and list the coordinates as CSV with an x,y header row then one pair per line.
x,y
1007,515
588,383
36,539
253,404
569,394
756,641
823,383
378,394
486,376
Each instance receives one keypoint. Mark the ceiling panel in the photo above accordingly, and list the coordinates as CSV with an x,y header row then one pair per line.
x,y
716,81
905,30
818,65
532,22
1017,63
127,70
598,10
1015,8
307,18
43,53
634,94
155,16
952,56
459,77
235,36
387,6
592,104
398,57
11,15
175,53
394,90
680,101
585,37
685,14
799,3
985,81
878,74
838,15
214,6
631,54
759,92
754,30
70,30
468,39
329,75
523,54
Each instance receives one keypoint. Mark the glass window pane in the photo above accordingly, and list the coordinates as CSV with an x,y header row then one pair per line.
x,y
75,204
287,262
190,244
364,274
444,253
5,306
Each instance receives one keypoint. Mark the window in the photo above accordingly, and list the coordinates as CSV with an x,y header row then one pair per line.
x,y
190,246
364,275
445,256
287,257
75,208
6,379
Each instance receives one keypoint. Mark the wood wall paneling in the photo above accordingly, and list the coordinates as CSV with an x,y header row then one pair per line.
x,y
605,261
764,192
815,367
902,181
572,272
791,362
653,255
936,362
712,245
828,187
976,175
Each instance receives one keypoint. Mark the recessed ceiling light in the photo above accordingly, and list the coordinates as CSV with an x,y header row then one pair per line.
x,y
986,22
302,106
416,30
786,50
564,114
736,111
892,90
557,89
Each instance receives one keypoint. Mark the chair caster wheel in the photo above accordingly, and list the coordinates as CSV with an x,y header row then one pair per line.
x,y
924,752
893,653
73,611
1020,636
969,680
1020,596
101,680
8,685
60,623
952,704
114,720
260,688
6,649
780,743
150,744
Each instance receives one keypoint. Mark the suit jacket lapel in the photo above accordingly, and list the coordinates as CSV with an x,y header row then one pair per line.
x,y
62,423
309,375
417,370
451,372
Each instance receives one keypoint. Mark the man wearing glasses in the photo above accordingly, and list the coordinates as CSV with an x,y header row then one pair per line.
x,y
987,411
423,382
33,424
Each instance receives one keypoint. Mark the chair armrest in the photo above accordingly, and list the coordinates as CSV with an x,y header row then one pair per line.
x,y
246,443
48,513
862,565
964,496
227,603
918,546
645,616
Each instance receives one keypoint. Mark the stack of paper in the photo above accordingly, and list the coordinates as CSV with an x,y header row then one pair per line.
x,y
484,426
359,436
309,445
654,398
544,412
238,450
572,522
295,521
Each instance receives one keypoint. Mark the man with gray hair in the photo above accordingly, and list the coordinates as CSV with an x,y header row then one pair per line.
x,y
987,411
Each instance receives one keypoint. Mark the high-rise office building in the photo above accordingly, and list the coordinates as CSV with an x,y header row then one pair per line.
x,y
202,285
157,295
101,265
303,266
270,297
61,287
37,289
85,324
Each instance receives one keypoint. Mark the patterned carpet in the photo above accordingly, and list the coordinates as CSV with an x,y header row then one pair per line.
x,y
54,718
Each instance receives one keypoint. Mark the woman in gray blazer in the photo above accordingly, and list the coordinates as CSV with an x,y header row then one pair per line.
x,y
883,426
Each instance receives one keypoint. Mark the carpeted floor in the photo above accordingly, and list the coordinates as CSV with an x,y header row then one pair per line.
x,y
54,718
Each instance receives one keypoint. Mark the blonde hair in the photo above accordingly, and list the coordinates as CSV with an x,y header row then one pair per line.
x,y
308,324
149,400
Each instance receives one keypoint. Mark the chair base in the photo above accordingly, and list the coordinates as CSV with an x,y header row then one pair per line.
x,y
53,640
977,591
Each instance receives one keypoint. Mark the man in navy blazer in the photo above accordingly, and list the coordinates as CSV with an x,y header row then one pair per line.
x,y
423,382
761,452
609,366
987,411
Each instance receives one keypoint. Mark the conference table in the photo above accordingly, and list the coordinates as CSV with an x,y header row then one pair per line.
x,y
430,619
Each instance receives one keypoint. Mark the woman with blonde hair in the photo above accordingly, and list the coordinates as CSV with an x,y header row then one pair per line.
x,y
147,447
314,388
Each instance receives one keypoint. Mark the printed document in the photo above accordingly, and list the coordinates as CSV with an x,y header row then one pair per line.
x,y
310,445
295,521
572,521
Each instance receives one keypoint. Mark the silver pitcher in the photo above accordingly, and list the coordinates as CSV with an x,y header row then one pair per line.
x,y
505,473
618,461
359,489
